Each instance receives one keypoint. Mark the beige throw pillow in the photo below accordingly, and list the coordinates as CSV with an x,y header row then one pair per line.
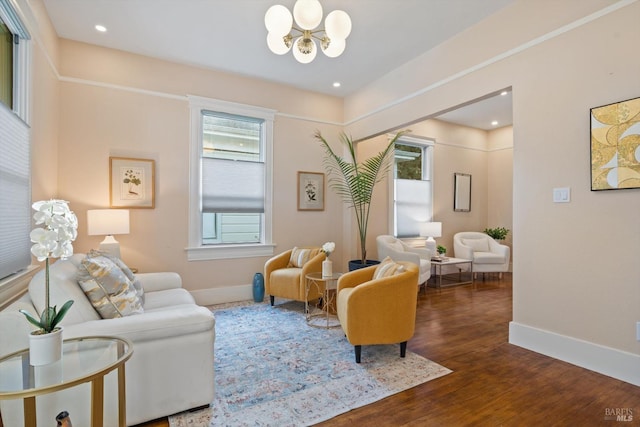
x,y
387,268
108,288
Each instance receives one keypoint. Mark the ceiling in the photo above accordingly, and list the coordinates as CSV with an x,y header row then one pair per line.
x,y
229,35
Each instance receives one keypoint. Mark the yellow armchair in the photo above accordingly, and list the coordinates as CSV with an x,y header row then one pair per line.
x,y
378,311
285,275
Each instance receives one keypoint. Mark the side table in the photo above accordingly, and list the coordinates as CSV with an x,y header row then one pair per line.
x,y
86,359
458,262
322,317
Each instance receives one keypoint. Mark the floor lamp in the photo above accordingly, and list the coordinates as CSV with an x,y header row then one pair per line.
x,y
108,222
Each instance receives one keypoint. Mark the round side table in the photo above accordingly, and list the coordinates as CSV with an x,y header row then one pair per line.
x,y
86,359
321,317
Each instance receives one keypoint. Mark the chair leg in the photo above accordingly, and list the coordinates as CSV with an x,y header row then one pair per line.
x,y
403,349
272,299
358,350
500,275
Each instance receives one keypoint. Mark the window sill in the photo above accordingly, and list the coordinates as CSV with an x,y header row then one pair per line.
x,y
204,253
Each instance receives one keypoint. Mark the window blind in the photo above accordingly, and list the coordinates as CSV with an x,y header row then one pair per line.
x,y
232,186
413,203
15,194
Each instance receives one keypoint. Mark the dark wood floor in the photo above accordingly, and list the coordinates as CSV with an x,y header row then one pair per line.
x,y
493,383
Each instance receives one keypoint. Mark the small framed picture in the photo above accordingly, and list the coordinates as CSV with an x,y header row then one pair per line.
x,y
131,183
310,191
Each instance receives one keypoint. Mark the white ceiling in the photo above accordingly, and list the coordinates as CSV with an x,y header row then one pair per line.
x,y
230,35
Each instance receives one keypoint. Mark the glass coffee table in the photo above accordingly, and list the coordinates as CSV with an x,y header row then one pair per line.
x,y
462,277
322,317
86,359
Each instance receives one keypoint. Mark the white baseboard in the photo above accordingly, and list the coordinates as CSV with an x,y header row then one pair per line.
x,y
221,295
608,361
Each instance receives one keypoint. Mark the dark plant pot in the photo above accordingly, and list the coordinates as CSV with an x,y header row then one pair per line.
x,y
356,264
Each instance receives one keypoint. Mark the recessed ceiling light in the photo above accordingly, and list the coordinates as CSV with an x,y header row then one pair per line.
x,y
494,123
336,84
101,28
503,93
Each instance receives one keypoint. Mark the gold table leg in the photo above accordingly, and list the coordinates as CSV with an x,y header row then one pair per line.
x,y
97,402
29,408
122,401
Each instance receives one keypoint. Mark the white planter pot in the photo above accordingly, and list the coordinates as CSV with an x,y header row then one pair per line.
x,y
45,348
327,268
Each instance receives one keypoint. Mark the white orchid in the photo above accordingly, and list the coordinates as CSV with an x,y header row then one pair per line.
x,y
60,229
52,241
328,247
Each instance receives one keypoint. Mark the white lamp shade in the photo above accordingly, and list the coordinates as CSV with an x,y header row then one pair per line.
x,y
278,20
305,58
107,221
335,49
431,229
338,25
307,13
276,44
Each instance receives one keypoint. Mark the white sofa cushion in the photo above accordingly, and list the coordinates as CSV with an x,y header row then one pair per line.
x,y
487,258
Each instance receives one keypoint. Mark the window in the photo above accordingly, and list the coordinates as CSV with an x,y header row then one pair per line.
x,y
413,189
230,210
15,169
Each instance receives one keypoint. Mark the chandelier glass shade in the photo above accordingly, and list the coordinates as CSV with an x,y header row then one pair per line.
x,y
301,33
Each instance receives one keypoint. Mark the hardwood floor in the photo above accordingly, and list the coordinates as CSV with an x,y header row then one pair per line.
x,y
493,383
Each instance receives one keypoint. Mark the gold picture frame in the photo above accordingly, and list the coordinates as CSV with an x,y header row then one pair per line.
x,y
310,191
615,146
131,183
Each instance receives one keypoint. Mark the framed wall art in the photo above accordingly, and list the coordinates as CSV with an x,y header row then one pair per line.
x,y
310,191
615,146
131,183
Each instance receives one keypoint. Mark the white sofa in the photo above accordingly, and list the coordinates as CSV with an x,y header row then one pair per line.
x,y
171,369
488,256
397,250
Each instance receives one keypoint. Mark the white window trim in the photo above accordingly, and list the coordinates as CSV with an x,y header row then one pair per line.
x,y
424,142
196,251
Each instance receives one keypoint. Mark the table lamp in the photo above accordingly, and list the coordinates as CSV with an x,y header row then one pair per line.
x,y
430,230
108,222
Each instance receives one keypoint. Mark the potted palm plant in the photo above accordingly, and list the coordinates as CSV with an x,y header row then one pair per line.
x,y
52,240
354,182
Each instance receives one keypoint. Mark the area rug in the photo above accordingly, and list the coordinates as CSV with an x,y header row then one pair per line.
x,y
273,369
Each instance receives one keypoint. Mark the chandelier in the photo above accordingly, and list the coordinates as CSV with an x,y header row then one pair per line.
x,y
283,34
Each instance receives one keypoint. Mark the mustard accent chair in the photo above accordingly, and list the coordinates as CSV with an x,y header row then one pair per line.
x,y
380,311
284,279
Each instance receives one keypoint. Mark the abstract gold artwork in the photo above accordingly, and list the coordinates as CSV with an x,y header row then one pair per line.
x,y
615,146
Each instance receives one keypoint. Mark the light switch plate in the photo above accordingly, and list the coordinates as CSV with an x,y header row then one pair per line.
x,y
562,195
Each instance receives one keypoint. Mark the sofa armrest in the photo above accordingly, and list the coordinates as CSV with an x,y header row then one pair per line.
x,y
422,252
152,282
176,321
275,263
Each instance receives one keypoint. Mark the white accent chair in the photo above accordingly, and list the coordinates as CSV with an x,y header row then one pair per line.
x,y
488,255
397,250
170,371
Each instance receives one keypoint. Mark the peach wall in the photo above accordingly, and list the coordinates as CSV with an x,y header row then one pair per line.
x,y
118,104
500,181
566,296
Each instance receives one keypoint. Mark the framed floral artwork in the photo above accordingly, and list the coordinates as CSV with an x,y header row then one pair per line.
x,y
131,183
310,191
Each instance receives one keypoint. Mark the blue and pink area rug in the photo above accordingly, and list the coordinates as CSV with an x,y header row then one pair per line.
x,y
273,369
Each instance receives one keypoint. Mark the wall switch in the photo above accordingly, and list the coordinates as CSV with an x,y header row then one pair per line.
x,y
562,195
638,331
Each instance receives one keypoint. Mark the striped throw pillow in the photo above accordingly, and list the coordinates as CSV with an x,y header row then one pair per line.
x,y
300,256
387,268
